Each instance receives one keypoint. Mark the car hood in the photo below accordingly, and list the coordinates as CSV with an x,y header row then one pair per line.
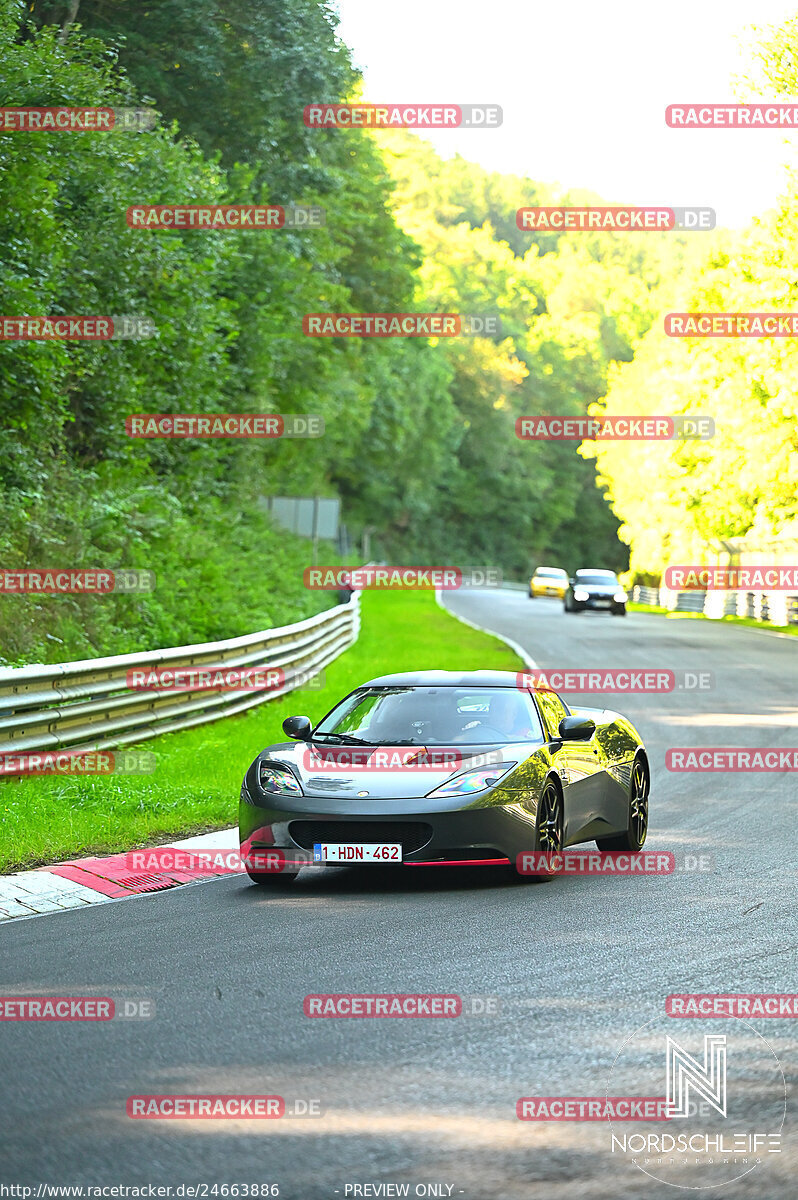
x,y
387,771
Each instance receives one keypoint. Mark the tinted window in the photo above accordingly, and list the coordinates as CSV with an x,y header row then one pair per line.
x,y
435,716
595,578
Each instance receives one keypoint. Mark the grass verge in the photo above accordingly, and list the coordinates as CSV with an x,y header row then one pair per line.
x,y
198,774
750,622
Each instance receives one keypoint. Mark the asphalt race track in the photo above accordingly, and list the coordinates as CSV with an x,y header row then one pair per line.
x,y
576,965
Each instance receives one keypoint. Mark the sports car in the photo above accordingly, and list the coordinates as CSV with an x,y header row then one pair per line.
x,y
548,581
442,768
595,589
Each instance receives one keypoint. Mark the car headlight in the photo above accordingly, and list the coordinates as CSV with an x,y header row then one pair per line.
x,y
473,781
620,597
278,779
581,595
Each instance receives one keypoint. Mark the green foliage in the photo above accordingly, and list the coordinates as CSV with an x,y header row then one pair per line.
x,y
419,442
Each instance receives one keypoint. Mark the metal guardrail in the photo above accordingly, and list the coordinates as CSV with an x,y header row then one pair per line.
x,y
88,705
774,608
645,595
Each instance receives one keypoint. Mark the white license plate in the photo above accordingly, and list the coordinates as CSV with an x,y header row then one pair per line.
x,y
354,852
602,603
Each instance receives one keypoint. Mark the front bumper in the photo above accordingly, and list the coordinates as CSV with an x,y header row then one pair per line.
x,y
548,591
599,604
426,832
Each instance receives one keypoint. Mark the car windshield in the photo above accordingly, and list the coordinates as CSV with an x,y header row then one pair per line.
x,y
597,577
547,573
433,716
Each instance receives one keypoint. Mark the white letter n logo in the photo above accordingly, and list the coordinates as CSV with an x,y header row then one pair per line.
x,y
685,1072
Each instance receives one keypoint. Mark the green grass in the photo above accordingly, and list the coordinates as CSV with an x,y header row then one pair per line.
x,y
198,774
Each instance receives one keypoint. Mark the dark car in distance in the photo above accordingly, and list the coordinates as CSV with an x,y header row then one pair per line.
x,y
594,589
439,768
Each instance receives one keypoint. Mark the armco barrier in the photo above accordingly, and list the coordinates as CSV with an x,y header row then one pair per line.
x,y
773,608
88,706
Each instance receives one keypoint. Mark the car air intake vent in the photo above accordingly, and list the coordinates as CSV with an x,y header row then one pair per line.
x,y
411,834
622,772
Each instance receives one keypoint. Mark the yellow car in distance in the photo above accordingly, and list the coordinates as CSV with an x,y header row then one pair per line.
x,y
548,581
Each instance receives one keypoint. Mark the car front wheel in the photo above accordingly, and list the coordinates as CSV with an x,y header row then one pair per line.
x,y
548,829
275,859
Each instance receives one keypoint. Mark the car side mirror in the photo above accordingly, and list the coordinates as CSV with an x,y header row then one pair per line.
x,y
298,728
577,729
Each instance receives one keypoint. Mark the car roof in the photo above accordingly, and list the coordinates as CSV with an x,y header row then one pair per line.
x,y
559,570
507,679
593,571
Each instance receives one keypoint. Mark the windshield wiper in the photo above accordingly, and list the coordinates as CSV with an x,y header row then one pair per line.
x,y
342,737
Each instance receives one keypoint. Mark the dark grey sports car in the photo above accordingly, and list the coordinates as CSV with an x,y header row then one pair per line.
x,y
597,590
439,767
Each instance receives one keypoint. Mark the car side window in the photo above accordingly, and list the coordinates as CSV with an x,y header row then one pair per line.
x,y
553,710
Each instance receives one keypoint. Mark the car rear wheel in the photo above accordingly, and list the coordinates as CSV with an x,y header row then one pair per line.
x,y
637,828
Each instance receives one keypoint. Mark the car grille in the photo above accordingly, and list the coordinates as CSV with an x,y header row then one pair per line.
x,y
411,834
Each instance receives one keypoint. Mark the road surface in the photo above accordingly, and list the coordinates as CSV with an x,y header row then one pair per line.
x,y
575,965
